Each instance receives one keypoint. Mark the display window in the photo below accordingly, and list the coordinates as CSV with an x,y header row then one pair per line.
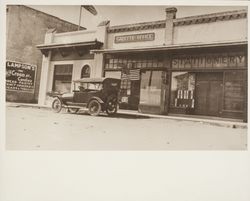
x,y
182,90
62,78
150,89
234,90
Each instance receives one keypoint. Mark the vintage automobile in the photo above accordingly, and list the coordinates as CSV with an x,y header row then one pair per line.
x,y
95,94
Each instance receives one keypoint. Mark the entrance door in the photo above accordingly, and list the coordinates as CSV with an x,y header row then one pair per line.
x,y
208,93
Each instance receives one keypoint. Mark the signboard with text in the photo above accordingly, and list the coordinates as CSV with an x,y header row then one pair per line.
x,y
135,38
212,60
20,77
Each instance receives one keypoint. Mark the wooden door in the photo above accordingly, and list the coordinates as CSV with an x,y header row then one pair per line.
x,y
208,94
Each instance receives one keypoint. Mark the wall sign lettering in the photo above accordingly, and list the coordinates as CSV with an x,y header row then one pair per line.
x,y
135,38
209,60
20,76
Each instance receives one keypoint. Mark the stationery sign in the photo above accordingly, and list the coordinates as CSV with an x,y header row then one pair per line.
x,y
237,59
20,76
135,38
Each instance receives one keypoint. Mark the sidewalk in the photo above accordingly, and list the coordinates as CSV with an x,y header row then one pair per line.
x,y
233,123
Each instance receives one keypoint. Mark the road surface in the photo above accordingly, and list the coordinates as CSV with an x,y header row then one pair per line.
x,y
41,129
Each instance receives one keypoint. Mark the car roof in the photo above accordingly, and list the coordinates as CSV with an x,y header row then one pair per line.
x,y
94,80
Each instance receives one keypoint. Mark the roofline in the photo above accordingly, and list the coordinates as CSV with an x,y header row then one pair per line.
x,y
48,15
172,47
198,19
212,17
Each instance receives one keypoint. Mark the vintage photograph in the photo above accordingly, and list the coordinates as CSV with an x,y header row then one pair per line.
x,y
124,77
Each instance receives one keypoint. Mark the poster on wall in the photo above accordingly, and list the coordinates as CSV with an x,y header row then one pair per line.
x,y
20,76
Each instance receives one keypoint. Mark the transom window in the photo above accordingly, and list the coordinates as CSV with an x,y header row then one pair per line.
x,y
133,61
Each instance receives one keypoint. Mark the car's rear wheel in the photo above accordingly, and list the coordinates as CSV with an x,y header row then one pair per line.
x,y
57,105
94,108
111,106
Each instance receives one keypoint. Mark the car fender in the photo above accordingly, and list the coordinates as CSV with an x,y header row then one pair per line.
x,y
95,98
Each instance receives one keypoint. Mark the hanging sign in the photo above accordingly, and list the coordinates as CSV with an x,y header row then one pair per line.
x,y
20,76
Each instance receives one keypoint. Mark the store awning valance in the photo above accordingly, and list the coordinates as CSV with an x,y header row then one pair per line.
x,y
172,47
89,45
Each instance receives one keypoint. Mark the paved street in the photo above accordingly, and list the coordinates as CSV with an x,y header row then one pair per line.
x,y
41,129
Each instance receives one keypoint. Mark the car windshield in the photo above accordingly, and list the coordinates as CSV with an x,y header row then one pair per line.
x,y
90,86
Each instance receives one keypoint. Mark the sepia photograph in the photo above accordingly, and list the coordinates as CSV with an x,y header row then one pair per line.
x,y
106,100
126,77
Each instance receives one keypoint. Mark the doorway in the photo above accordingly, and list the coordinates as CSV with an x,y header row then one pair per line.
x,y
208,96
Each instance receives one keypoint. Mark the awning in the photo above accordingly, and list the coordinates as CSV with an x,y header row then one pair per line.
x,y
171,47
77,46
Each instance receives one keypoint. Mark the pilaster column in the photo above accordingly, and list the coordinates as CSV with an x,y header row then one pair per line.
x,y
45,69
169,30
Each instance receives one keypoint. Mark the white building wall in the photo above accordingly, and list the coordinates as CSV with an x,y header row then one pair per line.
x,y
74,37
231,30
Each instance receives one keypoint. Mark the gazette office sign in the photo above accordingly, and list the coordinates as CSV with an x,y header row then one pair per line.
x,y
20,76
210,60
135,38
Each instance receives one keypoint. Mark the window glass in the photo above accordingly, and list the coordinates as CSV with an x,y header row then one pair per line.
x,y
182,90
234,91
150,93
113,74
85,73
62,78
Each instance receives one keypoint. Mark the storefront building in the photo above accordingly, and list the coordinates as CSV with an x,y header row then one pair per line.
x,y
191,66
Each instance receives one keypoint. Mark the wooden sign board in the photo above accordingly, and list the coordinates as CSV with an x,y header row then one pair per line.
x,y
20,76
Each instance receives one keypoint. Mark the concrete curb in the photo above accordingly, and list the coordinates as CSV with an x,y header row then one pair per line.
x,y
229,124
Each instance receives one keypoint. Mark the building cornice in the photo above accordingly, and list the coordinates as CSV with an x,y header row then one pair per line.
x,y
137,26
214,17
199,19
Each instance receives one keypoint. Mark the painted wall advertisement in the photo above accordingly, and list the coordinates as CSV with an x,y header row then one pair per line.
x,y
20,77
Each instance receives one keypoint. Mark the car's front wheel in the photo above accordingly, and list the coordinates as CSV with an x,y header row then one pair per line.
x,y
57,105
94,108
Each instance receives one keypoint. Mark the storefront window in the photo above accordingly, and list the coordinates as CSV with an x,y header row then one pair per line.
x,y
234,91
150,93
62,78
113,74
182,90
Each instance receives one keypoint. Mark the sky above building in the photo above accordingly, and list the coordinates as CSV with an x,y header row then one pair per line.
x,y
119,15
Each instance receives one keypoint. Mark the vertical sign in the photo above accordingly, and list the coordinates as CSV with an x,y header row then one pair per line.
x,y
20,77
